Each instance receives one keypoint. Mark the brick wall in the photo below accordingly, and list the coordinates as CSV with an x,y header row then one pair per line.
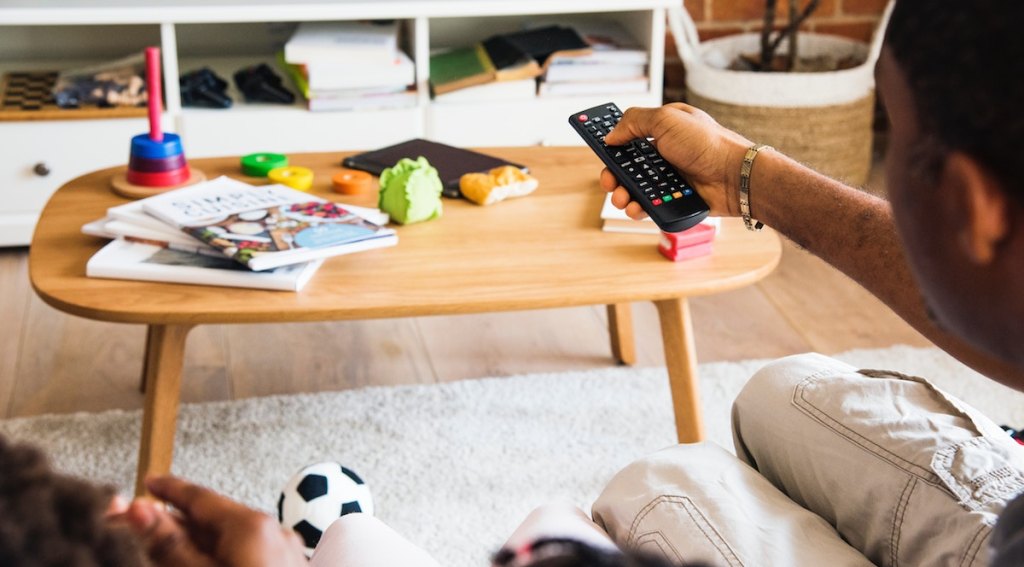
x,y
715,18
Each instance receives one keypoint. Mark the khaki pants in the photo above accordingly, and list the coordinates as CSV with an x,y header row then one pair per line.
x,y
837,466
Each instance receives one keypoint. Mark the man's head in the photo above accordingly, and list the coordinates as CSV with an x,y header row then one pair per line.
x,y
949,78
48,519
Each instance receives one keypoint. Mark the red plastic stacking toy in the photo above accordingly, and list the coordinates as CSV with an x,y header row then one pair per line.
x,y
157,159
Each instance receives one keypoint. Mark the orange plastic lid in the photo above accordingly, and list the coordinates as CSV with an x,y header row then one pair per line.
x,y
352,182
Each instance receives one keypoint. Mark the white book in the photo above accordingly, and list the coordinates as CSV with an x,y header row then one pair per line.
x,y
380,101
498,91
634,86
615,219
587,71
368,43
268,226
121,259
328,75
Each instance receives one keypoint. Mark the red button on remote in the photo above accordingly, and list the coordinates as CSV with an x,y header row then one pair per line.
x,y
656,202
583,118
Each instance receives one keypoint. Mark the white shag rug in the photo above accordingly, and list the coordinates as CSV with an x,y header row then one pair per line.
x,y
455,466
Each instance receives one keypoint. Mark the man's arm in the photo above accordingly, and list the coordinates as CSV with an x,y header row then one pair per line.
x,y
855,232
849,229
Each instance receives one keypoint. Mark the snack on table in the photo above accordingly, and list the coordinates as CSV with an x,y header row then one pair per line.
x,y
496,185
410,191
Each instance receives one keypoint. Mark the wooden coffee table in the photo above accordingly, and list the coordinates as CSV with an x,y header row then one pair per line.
x,y
542,251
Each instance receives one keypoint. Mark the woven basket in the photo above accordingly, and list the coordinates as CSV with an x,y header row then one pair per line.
x,y
821,119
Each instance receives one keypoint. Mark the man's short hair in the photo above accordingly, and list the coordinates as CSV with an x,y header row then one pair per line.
x,y
49,519
962,59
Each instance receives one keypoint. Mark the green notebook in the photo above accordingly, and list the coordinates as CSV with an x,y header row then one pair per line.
x,y
460,68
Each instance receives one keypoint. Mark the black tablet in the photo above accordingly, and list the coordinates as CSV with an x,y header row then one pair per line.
x,y
451,162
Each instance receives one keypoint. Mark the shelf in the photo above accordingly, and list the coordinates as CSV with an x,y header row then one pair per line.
x,y
78,12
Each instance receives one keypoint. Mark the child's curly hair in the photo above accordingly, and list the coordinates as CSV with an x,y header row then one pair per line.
x,y
49,519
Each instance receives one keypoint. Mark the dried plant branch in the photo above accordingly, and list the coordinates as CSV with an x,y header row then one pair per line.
x,y
796,19
767,51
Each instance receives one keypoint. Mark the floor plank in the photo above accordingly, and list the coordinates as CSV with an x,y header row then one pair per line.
x,y
70,364
502,344
829,310
736,325
204,377
13,310
312,357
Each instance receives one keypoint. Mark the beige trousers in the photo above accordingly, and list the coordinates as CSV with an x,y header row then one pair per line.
x,y
837,466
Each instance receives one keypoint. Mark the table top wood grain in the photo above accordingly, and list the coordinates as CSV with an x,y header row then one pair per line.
x,y
540,251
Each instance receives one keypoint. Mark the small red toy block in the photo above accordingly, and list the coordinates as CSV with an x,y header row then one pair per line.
x,y
688,244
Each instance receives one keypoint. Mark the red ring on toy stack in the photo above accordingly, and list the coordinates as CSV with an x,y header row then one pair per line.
x,y
158,179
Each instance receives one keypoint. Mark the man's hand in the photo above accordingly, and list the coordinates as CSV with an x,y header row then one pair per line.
x,y
707,154
208,530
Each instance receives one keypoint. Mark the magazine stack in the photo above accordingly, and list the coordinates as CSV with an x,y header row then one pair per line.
x,y
229,233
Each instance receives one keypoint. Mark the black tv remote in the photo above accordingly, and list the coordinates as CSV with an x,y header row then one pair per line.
x,y
670,201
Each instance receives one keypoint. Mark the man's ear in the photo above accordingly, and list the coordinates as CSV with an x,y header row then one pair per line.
x,y
985,208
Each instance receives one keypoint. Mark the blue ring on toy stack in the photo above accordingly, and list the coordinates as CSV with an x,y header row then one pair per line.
x,y
151,165
143,146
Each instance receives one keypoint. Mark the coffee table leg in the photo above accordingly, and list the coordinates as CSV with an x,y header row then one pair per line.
x,y
620,326
681,361
145,358
165,351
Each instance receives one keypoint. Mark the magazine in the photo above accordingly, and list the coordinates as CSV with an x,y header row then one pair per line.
x,y
121,259
110,227
267,226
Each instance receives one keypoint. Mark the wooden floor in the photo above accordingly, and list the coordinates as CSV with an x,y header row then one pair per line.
x,y
51,362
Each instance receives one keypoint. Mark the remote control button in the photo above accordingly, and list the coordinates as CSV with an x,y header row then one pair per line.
x,y
687,192
656,202
667,198
582,118
678,195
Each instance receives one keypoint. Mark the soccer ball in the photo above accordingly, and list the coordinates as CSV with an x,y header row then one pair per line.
x,y
317,496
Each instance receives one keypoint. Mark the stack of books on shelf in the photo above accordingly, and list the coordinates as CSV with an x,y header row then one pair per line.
x,y
587,59
613,64
228,233
350,66
490,71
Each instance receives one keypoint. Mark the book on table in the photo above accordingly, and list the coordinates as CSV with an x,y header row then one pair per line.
x,y
269,226
614,219
124,259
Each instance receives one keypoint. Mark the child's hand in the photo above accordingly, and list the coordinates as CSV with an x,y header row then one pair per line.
x,y
208,530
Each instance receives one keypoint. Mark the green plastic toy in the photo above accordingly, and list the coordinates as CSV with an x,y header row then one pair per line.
x,y
410,191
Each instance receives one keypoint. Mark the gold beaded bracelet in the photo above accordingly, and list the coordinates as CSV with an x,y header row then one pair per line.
x,y
745,169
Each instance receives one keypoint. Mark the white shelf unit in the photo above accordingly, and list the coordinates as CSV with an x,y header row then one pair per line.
x,y
226,35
